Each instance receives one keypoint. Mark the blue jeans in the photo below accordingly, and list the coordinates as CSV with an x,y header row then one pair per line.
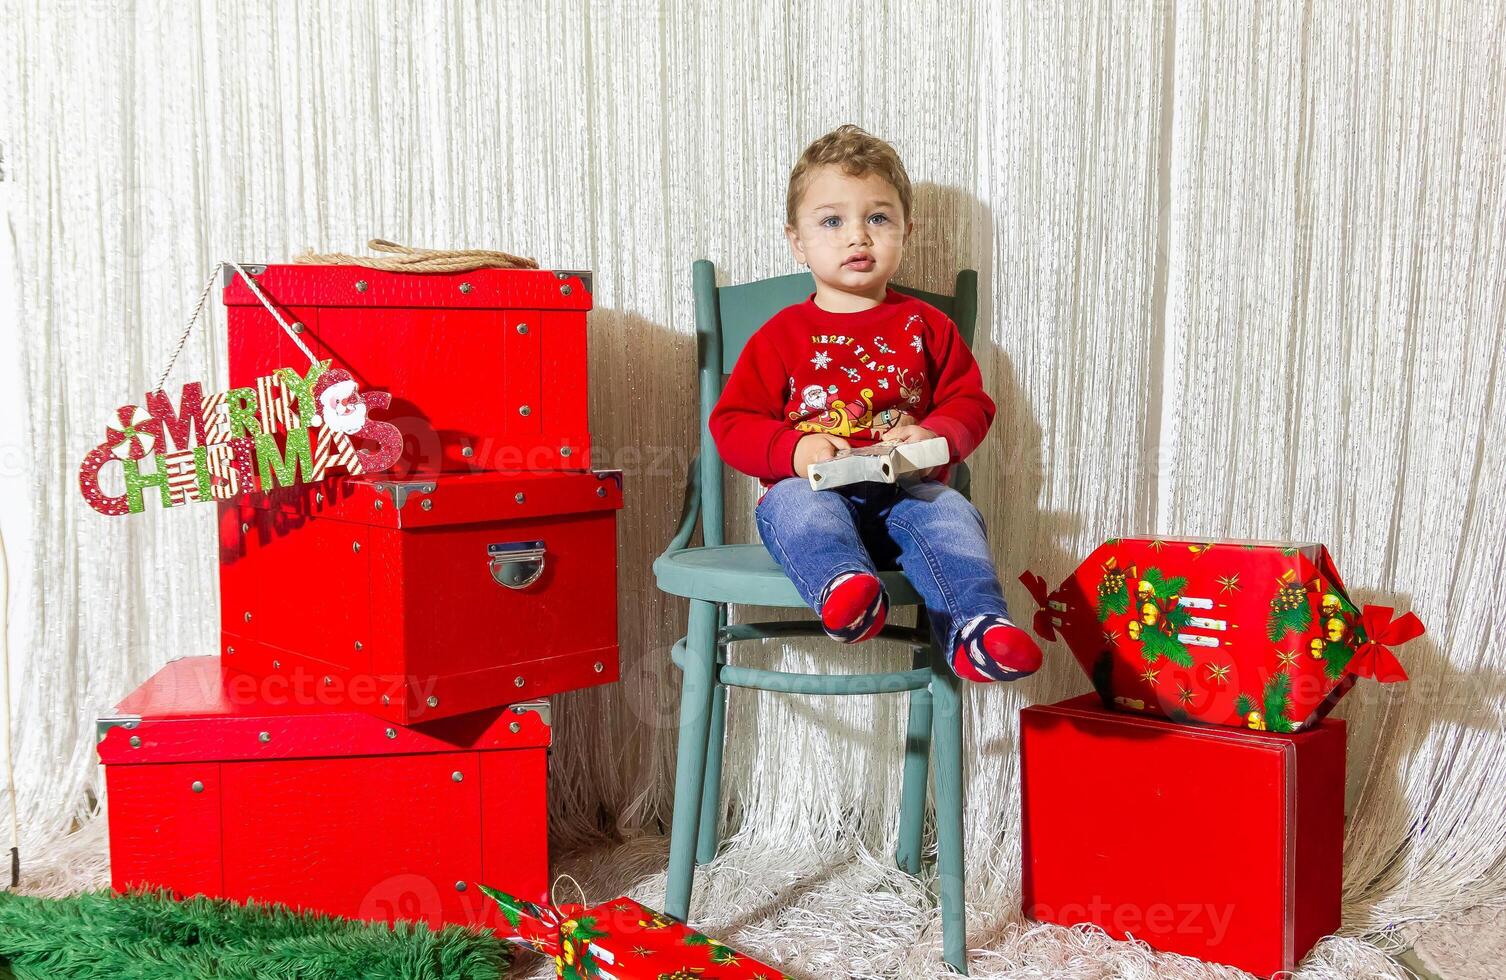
x,y
928,529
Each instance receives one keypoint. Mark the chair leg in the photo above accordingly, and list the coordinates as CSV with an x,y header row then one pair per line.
x,y
947,724
690,767
711,791
912,807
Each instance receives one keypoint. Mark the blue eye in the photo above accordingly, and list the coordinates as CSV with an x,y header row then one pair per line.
x,y
827,222
879,218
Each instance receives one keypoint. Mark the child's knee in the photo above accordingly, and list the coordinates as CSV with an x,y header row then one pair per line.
x,y
946,504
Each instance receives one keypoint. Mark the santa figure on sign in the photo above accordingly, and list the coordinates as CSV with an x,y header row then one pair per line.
x,y
346,409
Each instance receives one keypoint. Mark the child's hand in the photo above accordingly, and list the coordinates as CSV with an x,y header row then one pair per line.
x,y
814,448
908,433
912,433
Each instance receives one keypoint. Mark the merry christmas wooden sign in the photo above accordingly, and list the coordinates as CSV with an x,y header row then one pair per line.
x,y
287,428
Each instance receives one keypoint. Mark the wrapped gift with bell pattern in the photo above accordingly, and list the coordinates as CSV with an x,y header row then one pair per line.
x,y
622,940
1246,633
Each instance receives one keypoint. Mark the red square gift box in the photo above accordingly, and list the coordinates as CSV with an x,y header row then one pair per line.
x,y
621,940
1219,843
244,789
486,368
1248,633
423,599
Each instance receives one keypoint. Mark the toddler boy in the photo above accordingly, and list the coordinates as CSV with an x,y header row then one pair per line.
x,y
854,364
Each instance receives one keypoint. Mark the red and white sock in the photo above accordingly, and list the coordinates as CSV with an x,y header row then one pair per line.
x,y
853,607
991,648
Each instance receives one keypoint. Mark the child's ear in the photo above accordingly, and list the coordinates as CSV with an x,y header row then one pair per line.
x,y
795,247
909,228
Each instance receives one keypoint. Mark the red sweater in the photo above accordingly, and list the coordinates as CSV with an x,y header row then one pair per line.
x,y
808,370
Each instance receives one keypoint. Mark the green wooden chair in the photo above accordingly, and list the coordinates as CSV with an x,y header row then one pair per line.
x,y
718,574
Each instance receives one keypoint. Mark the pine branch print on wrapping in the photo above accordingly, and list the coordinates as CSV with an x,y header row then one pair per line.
x,y
1291,611
1113,596
1278,701
1285,622
1155,643
1336,657
510,906
1158,638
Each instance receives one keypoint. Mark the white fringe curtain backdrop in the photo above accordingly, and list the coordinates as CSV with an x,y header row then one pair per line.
x,y
1244,274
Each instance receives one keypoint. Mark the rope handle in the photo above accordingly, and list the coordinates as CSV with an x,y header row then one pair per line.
x,y
408,258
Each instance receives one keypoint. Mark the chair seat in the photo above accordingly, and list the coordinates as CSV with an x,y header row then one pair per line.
x,y
746,574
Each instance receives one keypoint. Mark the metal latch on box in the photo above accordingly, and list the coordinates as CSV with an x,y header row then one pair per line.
x,y
516,564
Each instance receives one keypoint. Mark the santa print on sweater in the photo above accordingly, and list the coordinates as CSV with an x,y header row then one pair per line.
x,y
850,375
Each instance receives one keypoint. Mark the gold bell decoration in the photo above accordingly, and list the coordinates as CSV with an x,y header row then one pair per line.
x,y
1256,721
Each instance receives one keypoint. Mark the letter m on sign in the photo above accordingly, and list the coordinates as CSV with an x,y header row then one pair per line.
x,y
292,466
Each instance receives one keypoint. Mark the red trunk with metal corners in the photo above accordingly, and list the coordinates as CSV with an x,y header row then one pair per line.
x,y
486,368
240,788
1215,842
425,599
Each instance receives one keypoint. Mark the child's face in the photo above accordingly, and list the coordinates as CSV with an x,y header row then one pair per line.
x,y
850,231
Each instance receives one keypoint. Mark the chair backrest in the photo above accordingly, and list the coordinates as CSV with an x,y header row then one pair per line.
x,y
726,316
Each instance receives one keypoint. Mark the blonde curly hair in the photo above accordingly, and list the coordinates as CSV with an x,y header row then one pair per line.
x,y
858,153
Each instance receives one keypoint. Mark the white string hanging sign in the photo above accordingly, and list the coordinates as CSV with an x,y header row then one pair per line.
x,y
289,427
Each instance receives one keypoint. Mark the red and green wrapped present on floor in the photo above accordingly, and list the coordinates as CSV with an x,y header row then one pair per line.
x,y
622,940
1237,633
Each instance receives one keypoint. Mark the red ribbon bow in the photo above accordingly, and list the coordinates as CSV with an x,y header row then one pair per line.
x,y
1374,657
1044,624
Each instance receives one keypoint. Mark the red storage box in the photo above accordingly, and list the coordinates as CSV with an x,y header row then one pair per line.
x,y
487,368
1219,843
236,788
420,600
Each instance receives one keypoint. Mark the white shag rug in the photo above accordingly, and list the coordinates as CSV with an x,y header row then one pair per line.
x,y
1469,947
821,914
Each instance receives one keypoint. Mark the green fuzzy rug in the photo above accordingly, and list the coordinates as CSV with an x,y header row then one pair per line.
x,y
149,936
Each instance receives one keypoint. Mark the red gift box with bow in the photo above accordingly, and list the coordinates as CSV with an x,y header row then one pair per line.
x,y
622,940
1241,633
